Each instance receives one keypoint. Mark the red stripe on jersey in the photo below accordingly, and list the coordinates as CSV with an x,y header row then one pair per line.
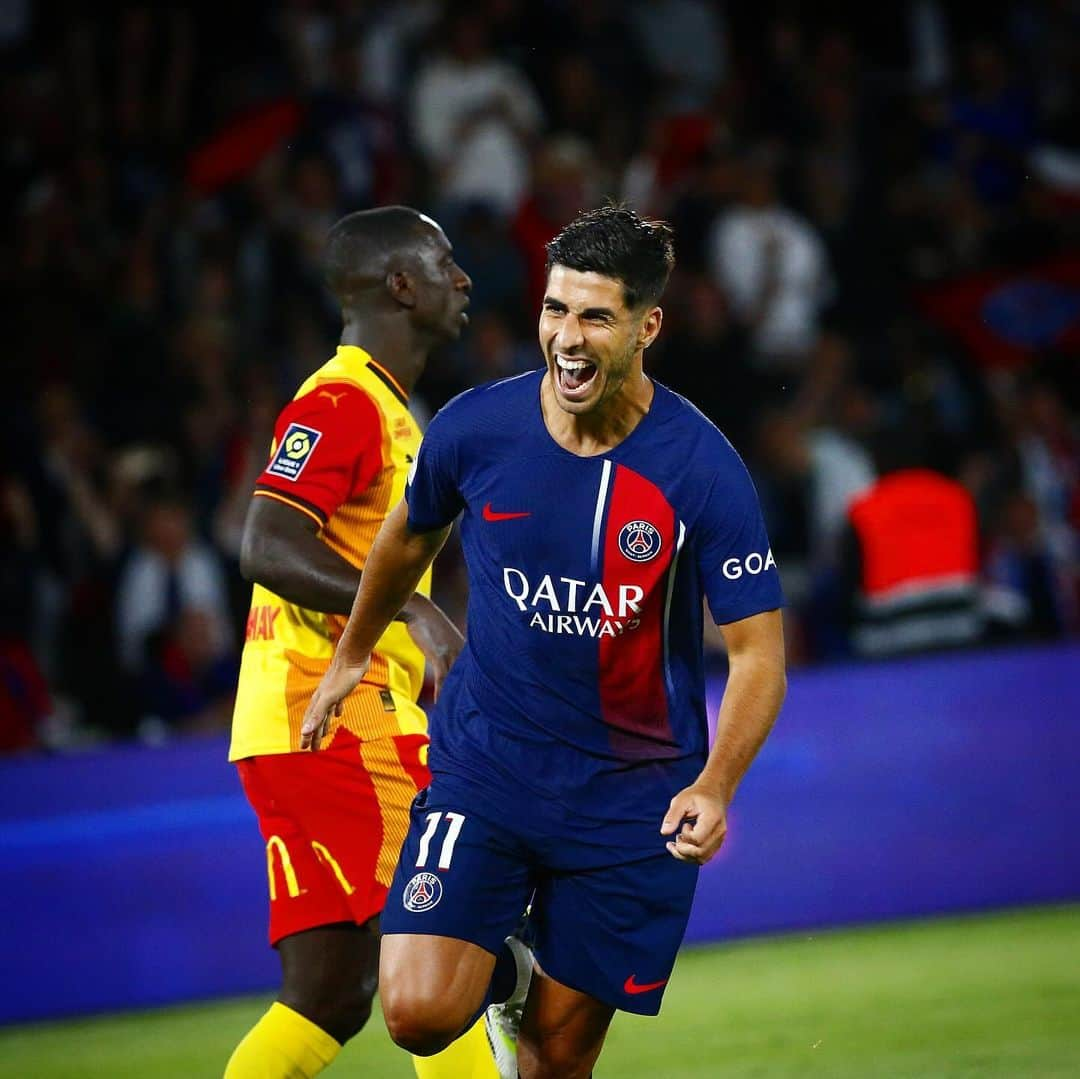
x,y
632,692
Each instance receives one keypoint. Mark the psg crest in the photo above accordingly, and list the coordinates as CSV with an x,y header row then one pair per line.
x,y
422,893
639,541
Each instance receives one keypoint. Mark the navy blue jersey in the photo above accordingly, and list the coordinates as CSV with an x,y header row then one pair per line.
x,y
580,691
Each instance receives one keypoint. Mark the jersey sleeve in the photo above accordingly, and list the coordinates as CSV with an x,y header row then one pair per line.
x,y
432,492
734,557
327,449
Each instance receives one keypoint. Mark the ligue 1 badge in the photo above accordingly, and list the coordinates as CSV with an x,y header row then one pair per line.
x,y
639,541
422,893
295,450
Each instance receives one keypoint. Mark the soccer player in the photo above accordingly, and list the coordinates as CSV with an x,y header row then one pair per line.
x,y
569,746
333,825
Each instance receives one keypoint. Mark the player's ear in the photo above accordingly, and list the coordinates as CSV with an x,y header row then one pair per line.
x,y
650,328
400,285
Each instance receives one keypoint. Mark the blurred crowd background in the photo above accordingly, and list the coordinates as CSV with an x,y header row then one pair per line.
x,y
878,232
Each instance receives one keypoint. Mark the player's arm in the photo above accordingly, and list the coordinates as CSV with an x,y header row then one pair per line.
x,y
399,557
755,690
282,551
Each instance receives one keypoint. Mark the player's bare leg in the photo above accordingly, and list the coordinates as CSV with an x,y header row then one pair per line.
x,y
432,989
329,980
330,974
562,1031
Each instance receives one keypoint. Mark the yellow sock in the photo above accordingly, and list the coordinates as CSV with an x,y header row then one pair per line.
x,y
282,1045
467,1058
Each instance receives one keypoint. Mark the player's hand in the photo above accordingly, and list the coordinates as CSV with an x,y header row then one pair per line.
x,y
435,635
339,681
698,819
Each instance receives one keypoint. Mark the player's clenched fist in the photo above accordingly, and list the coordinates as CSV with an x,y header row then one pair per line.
x,y
338,682
699,818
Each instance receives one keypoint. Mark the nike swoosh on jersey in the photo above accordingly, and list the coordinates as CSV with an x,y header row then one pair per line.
x,y
632,987
492,515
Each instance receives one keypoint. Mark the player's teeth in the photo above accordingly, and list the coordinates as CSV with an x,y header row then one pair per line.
x,y
572,365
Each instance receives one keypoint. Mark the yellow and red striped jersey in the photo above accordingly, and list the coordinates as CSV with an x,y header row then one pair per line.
x,y
341,453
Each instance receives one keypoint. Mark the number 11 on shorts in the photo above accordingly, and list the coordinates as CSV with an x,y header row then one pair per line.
x,y
456,820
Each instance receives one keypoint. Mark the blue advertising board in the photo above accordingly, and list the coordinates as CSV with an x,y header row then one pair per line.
x,y
132,876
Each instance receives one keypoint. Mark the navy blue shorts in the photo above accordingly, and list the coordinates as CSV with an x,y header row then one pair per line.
x,y
609,930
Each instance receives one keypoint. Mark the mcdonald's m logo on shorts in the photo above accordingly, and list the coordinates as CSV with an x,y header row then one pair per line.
x,y
276,845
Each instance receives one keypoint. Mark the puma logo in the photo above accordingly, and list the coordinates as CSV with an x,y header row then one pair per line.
x,y
334,397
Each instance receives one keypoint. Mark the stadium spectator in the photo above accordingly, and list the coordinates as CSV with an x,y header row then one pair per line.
x,y
244,458
563,182
312,208
1023,596
388,45
75,556
485,250
172,590
781,103
808,475
580,103
1048,447
473,117
601,32
703,356
188,683
685,50
672,147
991,125
771,263
308,35
496,352
24,694
361,140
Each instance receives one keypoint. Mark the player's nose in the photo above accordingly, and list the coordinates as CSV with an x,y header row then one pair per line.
x,y
569,336
462,280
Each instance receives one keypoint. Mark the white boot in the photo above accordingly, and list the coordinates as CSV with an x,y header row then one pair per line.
x,y
502,1021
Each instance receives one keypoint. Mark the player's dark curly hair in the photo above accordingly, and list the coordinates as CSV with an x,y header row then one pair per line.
x,y
617,242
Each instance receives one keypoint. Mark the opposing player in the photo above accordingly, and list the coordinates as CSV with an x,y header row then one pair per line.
x,y
333,825
569,747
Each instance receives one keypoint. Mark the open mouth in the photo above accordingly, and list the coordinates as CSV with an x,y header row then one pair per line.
x,y
575,376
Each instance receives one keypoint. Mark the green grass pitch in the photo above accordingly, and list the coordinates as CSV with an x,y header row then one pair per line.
x,y
992,996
